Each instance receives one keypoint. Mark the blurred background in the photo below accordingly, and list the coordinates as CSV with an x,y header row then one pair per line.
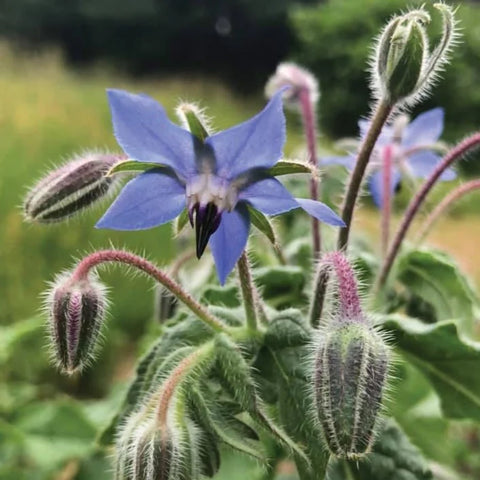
x,y
57,58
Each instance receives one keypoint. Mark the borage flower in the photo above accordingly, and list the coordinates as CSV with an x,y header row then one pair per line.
x,y
411,147
216,179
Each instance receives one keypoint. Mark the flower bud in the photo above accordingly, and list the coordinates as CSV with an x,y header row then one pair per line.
x,y
295,77
350,374
403,66
401,56
70,188
146,451
77,310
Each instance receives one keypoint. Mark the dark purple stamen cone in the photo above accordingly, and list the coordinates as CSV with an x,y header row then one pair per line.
x,y
70,189
77,309
206,219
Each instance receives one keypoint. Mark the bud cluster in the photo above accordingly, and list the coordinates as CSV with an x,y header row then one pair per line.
x,y
71,188
350,370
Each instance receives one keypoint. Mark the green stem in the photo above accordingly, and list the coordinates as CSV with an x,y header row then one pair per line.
x,y
380,116
248,291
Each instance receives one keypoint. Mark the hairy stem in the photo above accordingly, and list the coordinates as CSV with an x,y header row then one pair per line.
x,y
380,116
457,152
445,204
248,291
308,115
132,260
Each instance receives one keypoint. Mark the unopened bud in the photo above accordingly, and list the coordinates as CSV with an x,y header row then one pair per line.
x,y
403,66
350,374
77,310
147,451
298,80
350,368
70,188
402,54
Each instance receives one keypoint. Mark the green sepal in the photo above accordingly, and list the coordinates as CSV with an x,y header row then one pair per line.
x,y
129,166
262,223
180,222
195,125
287,167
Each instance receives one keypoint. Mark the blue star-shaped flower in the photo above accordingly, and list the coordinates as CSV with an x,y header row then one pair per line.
x,y
214,179
412,146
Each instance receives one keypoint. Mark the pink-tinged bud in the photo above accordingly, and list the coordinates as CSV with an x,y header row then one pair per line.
x,y
77,310
298,79
70,188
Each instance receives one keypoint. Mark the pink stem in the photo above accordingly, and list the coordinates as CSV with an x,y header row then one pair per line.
x,y
311,138
453,196
120,256
387,196
349,302
457,152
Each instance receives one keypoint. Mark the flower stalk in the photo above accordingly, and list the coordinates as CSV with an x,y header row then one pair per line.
x,y
308,114
248,291
455,154
445,204
379,119
120,256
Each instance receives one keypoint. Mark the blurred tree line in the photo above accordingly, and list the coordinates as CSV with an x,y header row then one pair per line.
x,y
241,42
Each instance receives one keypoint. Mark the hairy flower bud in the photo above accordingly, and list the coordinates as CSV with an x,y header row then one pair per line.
x,y
77,310
297,79
70,188
350,374
402,54
146,451
403,66
350,368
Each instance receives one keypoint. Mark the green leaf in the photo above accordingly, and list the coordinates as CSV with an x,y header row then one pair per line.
x,y
393,457
287,167
263,224
227,296
448,361
12,336
133,166
282,285
180,222
437,280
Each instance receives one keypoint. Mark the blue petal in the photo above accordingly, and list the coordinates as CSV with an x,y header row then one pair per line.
x,y
148,200
347,161
375,185
145,133
271,197
320,211
425,129
229,241
421,164
385,137
256,143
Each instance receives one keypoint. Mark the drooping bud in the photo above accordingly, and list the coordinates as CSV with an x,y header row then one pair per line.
x,y
403,67
71,188
298,79
350,370
76,309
